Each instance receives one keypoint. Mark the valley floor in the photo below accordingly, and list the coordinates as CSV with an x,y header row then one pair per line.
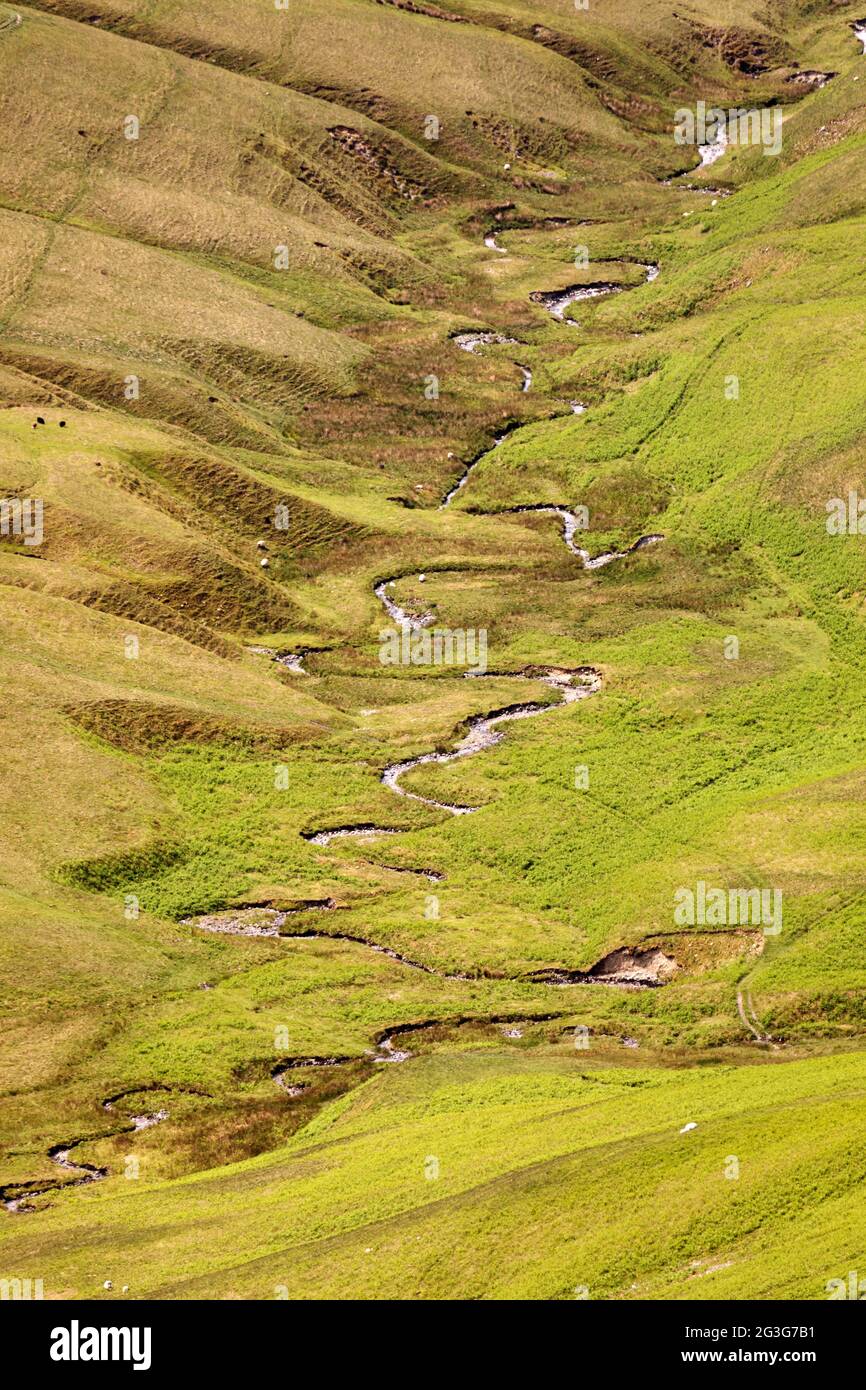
x,y
428,610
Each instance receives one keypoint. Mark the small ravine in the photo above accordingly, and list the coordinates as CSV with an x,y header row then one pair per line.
x,y
431,875
713,151
268,921
285,1073
292,661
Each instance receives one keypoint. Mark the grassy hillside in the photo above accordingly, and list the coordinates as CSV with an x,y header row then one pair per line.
x,y
231,372
495,1176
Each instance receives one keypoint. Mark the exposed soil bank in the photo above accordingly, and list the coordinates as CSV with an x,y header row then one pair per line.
x,y
299,1062
811,78
432,875
629,965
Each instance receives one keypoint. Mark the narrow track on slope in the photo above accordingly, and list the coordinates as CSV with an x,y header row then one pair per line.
x,y
746,1010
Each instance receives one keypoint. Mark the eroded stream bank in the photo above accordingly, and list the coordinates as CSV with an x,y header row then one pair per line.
x,y
634,966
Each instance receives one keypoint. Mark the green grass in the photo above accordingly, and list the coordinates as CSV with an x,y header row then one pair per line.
x,y
153,778
502,1175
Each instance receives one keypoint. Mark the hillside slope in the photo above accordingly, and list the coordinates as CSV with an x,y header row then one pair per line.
x,y
277,366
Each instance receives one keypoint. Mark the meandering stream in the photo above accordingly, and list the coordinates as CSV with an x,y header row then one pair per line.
x,y
293,661
556,302
467,470
627,966
483,731
16,1197
571,524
